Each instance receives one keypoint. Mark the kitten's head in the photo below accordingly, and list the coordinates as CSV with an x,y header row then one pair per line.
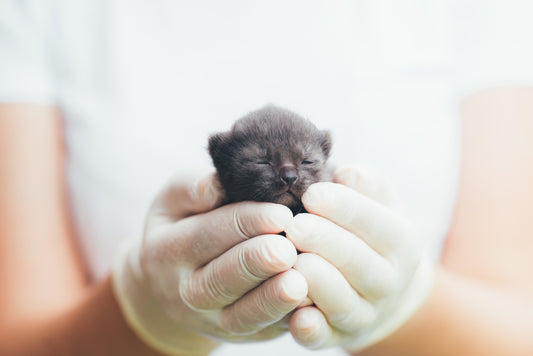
x,y
270,155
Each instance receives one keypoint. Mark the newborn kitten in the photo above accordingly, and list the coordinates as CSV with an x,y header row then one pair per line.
x,y
270,155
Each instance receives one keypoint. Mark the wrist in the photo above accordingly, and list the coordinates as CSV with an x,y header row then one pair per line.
x,y
145,316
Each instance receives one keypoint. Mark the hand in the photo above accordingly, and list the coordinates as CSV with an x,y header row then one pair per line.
x,y
198,276
362,261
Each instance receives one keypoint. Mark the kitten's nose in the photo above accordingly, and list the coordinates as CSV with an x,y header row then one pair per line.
x,y
288,174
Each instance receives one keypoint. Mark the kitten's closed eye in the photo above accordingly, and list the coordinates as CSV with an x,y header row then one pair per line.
x,y
297,153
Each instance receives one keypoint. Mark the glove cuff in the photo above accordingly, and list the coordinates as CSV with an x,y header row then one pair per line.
x,y
143,313
411,300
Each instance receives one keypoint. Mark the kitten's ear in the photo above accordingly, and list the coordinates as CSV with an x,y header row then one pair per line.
x,y
325,142
217,142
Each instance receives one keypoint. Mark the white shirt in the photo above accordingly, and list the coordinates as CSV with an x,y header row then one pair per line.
x,y
141,85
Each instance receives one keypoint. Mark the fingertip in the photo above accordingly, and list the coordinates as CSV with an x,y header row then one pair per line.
x,y
207,190
348,175
277,216
280,254
317,195
311,196
307,264
369,182
309,328
298,230
304,323
190,193
251,219
293,287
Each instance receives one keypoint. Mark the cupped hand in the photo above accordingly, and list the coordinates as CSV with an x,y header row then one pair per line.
x,y
362,260
205,274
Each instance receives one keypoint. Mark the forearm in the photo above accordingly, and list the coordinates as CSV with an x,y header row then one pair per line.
x,y
46,307
94,326
482,303
464,317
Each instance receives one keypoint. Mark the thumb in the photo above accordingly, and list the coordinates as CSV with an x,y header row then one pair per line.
x,y
368,182
188,195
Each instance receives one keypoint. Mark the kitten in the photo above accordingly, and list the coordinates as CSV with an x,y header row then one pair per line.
x,y
270,155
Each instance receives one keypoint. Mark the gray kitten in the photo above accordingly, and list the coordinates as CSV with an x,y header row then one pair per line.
x,y
270,155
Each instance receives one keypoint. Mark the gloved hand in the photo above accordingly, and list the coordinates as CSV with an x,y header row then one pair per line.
x,y
363,262
180,290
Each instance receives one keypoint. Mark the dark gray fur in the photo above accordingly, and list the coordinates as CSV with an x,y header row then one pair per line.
x,y
270,155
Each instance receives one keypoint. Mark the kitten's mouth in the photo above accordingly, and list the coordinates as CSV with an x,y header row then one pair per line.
x,y
286,198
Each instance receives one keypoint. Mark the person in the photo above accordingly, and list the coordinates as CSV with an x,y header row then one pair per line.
x,y
102,101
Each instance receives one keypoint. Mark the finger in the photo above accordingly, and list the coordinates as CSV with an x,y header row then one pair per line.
x,y
369,183
242,268
384,230
342,306
185,195
310,328
198,239
266,304
306,302
365,270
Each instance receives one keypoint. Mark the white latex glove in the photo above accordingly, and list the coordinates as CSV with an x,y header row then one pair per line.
x,y
363,262
197,278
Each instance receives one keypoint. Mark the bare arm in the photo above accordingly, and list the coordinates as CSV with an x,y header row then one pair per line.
x,y
46,304
482,301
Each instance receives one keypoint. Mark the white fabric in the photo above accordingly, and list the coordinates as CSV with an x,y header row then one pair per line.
x,y
142,84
